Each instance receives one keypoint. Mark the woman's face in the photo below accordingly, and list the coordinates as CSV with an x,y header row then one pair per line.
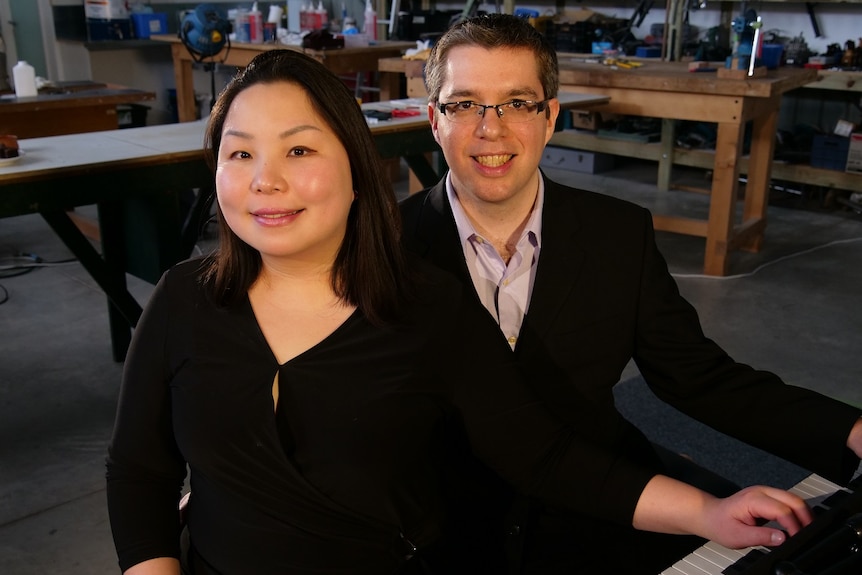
x,y
283,177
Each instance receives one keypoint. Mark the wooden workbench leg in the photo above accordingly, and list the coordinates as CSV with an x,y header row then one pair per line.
x,y
759,174
390,86
665,161
184,80
722,203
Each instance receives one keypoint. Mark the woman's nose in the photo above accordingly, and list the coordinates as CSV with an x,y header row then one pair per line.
x,y
268,178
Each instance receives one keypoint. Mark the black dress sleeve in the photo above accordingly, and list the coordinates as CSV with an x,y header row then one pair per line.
x,y
145,471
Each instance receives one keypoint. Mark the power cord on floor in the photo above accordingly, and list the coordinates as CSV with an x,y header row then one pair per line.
x,y
30,263
767,264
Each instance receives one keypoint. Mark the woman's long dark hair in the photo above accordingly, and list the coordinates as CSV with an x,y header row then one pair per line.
x,y
369,270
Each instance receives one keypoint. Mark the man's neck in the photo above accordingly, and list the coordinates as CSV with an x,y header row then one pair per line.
x,y
503,223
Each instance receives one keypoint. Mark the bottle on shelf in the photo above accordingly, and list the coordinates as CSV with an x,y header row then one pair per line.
x,y
370,26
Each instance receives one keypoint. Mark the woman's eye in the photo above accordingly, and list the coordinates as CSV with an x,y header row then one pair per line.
x,y
298,151
240,155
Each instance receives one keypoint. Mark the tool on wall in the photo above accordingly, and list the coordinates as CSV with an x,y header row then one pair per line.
x,y
810,7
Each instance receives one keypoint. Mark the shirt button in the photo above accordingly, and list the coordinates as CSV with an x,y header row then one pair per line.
x,y
505,282
512,340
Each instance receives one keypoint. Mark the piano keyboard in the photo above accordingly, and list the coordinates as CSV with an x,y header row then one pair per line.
x,y
715,559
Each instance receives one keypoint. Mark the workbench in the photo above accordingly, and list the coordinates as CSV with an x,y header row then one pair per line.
x,y
69,108
341,61
669,91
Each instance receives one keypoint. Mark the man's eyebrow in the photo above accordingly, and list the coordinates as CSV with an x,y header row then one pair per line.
x,y
513,93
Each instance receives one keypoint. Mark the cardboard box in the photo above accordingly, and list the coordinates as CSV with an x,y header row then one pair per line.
x,y
106,9
854,154
587,120
576,160
145,25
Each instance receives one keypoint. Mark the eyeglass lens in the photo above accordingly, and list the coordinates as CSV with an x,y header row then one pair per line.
x,y
513,111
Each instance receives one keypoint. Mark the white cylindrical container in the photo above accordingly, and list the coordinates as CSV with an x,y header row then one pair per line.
x,y
24,78
294,16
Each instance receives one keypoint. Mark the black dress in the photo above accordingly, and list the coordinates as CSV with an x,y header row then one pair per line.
x,y
349,475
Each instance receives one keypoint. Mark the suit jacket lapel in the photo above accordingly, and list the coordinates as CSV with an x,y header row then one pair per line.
x,y
436,239
436,236
561,258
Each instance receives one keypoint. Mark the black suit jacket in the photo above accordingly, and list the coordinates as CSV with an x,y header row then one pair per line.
x,y
603,295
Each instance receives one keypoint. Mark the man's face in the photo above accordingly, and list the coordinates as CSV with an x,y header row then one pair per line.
x,y
492,161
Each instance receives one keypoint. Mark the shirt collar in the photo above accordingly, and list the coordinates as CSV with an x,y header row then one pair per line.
x,y
465,226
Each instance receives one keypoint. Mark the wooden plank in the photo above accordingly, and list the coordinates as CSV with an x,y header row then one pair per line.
x,y
680,225
674,77
837,80
632,102
798,173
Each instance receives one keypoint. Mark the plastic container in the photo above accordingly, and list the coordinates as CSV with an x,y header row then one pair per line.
x,y
294,15
255,27
147,24
770,54
369,28
241,29
829,151
24,78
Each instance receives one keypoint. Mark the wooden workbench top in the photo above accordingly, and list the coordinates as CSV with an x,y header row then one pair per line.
x,y
675,77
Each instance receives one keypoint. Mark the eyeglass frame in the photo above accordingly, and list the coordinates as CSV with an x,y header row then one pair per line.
x,y
541,106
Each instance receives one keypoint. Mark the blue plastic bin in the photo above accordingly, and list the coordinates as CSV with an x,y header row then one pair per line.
x,y
145,24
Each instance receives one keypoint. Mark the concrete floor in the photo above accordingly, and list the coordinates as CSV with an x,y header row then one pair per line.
x,y
794,308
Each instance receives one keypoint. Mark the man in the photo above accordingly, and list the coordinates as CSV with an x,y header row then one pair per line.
x,y
578,287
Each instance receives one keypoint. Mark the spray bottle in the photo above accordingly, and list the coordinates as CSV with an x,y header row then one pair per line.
x,y
255,25
370,27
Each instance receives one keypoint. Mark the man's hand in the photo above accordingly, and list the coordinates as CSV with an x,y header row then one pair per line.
x,y
670,506
737,521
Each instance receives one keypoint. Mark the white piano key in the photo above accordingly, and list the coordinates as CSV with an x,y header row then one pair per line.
x,y
679,569
701,563
731,555
814,486
721,558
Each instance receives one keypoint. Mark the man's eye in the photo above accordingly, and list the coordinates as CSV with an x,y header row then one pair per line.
x,y
517,104
463,106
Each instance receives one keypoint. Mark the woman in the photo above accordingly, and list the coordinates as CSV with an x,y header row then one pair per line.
x,y
314,381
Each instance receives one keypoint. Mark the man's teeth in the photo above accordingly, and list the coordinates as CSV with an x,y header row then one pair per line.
x,y
494,161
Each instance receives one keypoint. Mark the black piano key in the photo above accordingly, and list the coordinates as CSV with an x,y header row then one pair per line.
x,y
835,499
745,563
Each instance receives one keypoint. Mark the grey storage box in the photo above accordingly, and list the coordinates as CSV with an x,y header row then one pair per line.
x,y
576,160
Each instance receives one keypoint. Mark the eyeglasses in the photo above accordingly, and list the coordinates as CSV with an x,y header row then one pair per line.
x,y
510,112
